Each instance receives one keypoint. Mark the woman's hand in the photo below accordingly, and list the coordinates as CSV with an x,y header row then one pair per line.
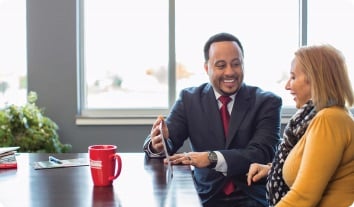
x,y
256,172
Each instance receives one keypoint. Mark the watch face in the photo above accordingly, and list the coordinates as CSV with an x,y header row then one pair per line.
x,y
212,157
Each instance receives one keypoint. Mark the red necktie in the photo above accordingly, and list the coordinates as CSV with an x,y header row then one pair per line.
x,y
225,116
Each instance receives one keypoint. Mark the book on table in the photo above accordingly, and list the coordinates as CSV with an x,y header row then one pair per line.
x,y
8,157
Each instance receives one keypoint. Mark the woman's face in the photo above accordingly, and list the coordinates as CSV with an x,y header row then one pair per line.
x,y
298,84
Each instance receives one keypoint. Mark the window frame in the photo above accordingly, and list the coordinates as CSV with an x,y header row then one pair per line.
x,y
147,116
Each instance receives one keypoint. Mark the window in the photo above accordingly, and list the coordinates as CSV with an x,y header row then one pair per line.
x,y
137,56
331,22
125,55
13,64
268,31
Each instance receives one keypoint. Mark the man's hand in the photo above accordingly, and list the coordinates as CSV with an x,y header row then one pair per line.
x,y
197,159
156,136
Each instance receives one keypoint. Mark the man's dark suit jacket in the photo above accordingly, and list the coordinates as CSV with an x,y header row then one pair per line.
x,y
254,133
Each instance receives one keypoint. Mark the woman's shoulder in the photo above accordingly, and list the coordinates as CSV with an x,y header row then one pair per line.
x,y
332,125
335,113
336,118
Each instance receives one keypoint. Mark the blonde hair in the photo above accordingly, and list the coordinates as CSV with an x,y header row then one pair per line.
x,y
327,72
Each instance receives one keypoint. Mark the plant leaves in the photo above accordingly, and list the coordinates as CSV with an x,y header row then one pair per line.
x,y
27,126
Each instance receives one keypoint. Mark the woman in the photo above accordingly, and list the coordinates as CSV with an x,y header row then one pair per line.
x,y
314,164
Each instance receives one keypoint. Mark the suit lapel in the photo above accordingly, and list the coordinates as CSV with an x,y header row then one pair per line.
x,y
239,111
211,107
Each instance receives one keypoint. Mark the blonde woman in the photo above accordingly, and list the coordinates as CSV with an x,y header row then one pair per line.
x,y
314,164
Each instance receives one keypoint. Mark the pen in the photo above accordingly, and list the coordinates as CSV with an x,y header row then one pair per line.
x,y
56,160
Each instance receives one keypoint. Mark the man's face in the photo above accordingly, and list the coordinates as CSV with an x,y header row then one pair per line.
x,y
225,67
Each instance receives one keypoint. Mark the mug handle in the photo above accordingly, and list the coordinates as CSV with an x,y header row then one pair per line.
x,y
118,168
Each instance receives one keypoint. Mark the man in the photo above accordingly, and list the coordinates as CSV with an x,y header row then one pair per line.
x,y
221,156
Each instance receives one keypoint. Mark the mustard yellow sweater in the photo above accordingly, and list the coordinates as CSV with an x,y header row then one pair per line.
x,y
320,168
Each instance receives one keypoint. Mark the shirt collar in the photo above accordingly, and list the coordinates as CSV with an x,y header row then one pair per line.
x,y
217,95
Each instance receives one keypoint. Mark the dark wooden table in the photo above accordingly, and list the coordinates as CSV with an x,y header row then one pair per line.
x,y
142,183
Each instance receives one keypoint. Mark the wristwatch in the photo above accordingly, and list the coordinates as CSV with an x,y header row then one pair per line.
x,y
213,159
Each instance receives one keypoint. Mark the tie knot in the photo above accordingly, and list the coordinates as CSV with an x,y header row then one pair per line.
x,y
225,99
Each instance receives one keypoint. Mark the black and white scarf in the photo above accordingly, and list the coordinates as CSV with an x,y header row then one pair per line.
x,y
294,130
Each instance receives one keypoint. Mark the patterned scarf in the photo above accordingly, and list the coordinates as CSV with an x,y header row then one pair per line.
x,y
294,130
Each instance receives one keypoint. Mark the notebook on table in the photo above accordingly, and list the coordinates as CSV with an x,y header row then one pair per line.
x,y
75,162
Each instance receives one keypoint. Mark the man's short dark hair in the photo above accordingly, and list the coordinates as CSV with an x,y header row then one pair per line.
x,y
220,37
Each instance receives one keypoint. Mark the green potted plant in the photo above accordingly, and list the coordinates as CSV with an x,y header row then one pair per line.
x,y
27,127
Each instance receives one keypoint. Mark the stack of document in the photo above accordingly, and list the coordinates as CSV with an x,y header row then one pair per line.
x,y
8,157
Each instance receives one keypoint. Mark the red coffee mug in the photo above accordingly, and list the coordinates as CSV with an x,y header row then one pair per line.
x,y
105,164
